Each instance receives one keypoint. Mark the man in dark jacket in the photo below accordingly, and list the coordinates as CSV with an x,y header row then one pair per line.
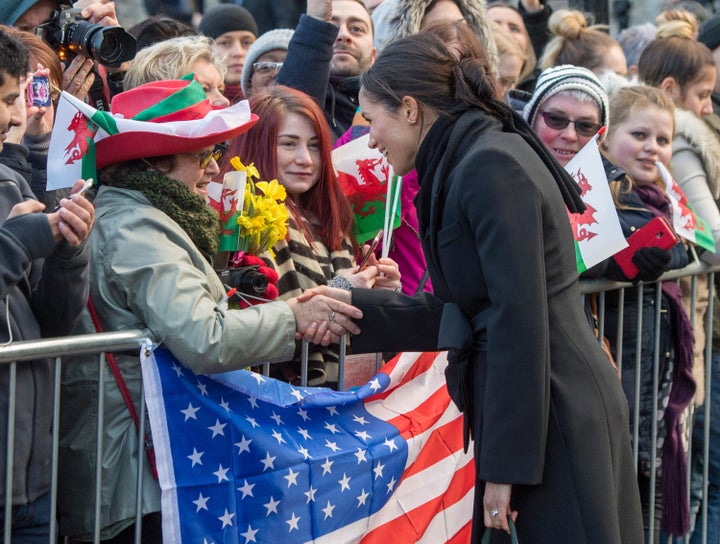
x,y
331,47
43,288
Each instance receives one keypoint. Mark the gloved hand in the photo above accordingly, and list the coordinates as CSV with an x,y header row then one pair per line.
x,y
651,262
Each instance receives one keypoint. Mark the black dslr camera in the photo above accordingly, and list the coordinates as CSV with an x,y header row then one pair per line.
x,y
246,279
69,34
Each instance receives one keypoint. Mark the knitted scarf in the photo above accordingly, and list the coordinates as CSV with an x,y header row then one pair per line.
x,y
675,515
187,209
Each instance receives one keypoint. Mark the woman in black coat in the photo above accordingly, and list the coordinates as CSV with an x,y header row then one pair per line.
x,y
544,406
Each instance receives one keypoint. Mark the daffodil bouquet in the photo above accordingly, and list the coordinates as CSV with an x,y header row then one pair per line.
x,y
263,219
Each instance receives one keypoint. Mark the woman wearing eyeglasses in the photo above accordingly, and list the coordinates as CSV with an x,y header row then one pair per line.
x,y
264,60
151,269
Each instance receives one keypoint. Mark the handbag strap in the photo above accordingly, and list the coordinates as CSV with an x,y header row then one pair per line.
x,y
487,535
124,392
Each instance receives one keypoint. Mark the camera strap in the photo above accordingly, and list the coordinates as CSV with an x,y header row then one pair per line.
x,y
122,386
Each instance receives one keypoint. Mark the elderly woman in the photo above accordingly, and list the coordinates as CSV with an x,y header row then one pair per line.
x,y
151,270
264,60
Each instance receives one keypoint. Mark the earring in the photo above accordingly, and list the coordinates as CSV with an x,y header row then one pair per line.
x,y
412,121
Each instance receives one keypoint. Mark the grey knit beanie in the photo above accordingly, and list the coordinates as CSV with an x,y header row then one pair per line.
x,y
227,18
564,78
272,39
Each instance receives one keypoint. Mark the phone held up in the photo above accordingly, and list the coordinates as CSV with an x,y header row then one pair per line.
x,y
371,250
655,233
38,91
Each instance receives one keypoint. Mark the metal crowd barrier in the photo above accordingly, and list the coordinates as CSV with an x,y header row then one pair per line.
x,y
99,343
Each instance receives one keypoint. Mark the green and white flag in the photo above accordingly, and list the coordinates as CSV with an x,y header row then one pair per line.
x,y
686,222
597,230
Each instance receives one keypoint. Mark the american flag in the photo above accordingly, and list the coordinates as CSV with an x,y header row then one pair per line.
x,y
244,458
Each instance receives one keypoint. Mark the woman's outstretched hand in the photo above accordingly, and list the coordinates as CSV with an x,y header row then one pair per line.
x,y
322,319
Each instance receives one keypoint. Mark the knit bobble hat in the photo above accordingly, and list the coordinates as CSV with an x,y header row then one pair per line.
x,y
227,18
710,32
272,39
564,78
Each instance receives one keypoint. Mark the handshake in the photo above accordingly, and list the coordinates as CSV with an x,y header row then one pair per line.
x,y
324,314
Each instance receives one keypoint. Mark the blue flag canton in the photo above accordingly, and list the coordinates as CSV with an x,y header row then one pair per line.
x,y
263,471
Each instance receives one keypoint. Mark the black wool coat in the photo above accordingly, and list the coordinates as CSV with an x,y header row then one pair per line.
x,y
549,413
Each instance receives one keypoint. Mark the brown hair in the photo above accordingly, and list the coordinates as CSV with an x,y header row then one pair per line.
x,y
39,51
575,42
676,54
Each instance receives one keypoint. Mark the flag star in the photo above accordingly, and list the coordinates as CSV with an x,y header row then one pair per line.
x,y
327,466
360,419
276,418
331,427
378,470
253,402
344,483
305,453
360,454
226,519
271,506
201,503
332,445
390,444
246,489
225,405
310,494
177,369
206,541
297,394
252,422
243,445
202,388
375,384
221,473
196,457
217,429
303,414
259,378
268,462
277,436
333,410
363,435
293,522
328,510
249,534
362,497
190,411
305,434
391,484
291,477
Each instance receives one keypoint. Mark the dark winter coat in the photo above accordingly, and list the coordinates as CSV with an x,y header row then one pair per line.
x,y
549,414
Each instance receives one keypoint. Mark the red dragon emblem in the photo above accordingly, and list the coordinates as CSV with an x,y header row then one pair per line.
x,y
365,193
84,133
580,221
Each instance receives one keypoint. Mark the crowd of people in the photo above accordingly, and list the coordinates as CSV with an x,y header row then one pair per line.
x,y
479,107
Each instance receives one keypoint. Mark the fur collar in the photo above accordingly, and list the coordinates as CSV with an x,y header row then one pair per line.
x,y
394,19
704,143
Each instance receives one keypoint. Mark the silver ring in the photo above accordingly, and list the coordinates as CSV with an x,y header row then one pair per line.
x,y
493,513
332,317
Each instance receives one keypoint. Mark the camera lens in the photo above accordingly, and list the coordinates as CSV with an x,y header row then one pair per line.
x,y
250,281
108,45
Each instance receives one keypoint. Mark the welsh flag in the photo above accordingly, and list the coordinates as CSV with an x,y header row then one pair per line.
x,y
369,184
685,221
597,230
79,128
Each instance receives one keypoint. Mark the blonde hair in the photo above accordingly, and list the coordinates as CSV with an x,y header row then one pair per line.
x,y
508,45
676,23
624,103
575,42
170,59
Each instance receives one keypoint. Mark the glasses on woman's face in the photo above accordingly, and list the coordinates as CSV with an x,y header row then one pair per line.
x,y
557,121
204,157
267,68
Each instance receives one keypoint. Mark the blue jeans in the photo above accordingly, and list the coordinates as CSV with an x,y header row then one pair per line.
x,y
31,522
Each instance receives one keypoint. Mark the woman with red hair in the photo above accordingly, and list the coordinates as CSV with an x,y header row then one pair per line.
x,y
319,248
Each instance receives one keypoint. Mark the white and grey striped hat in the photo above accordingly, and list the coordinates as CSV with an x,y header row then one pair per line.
x,y
563,78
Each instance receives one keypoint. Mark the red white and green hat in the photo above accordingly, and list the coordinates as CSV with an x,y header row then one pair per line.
x,y
158,118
